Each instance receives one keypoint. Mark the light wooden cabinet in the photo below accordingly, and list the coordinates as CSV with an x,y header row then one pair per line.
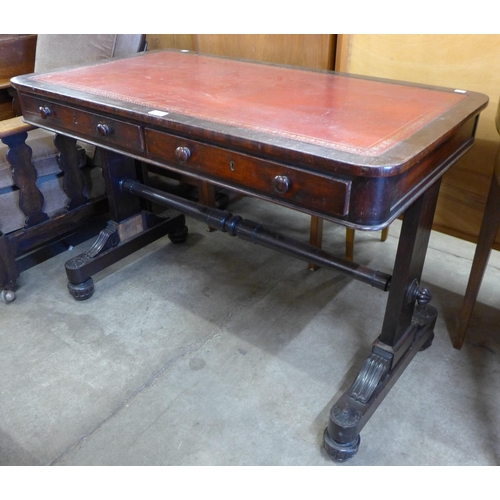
x,y
311,51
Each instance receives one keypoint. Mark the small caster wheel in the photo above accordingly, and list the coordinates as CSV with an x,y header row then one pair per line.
x,y
179,235
340,452
82,291
8,296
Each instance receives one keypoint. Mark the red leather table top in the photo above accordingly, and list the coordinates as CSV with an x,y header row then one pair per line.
x,y
354,115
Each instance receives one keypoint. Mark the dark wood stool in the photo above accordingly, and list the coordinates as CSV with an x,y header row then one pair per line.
x,y
487,235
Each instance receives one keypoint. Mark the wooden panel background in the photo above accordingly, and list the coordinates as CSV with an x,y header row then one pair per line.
x,y
312,51
469,62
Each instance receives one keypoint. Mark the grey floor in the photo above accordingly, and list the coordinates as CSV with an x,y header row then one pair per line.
x,y
220,352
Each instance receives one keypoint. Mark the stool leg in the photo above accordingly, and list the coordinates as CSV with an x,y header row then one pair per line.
x,y
487,234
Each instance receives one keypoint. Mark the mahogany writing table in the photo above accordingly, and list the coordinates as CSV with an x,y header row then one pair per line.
x,y
355,150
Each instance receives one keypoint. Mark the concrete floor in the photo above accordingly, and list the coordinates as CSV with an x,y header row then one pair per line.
x,y
220,352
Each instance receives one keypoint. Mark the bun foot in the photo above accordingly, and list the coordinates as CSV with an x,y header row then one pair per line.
x,y
82,291
340,452
179,235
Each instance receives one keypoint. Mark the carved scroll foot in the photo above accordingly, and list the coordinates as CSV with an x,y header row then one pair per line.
x,y
379,373
80,286
117,241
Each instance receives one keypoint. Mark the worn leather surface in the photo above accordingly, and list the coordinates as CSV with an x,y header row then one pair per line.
x,y
349,114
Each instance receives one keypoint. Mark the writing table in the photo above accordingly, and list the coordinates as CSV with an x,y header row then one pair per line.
x,y
358,151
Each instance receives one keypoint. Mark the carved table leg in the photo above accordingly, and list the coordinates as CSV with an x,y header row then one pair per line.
x,y
407,328
130,228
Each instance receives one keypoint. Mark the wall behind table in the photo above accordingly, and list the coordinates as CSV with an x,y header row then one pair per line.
x,y
312,51
468,62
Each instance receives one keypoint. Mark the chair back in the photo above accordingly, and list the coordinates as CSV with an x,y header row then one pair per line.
x,y
58,51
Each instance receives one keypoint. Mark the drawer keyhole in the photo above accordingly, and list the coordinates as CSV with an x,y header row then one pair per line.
x,y
281,184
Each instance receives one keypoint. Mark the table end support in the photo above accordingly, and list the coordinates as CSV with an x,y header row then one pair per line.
x,y
117,241
381,370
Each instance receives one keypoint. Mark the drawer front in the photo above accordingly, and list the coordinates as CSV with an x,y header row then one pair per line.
x,y
84,125
288,185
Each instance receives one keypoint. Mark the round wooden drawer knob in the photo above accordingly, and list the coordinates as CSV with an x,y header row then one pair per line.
x,y
281,184
103,129
182,153
45,112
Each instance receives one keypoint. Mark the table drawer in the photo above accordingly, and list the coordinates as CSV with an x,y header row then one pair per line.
x,y
292,186
86,126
